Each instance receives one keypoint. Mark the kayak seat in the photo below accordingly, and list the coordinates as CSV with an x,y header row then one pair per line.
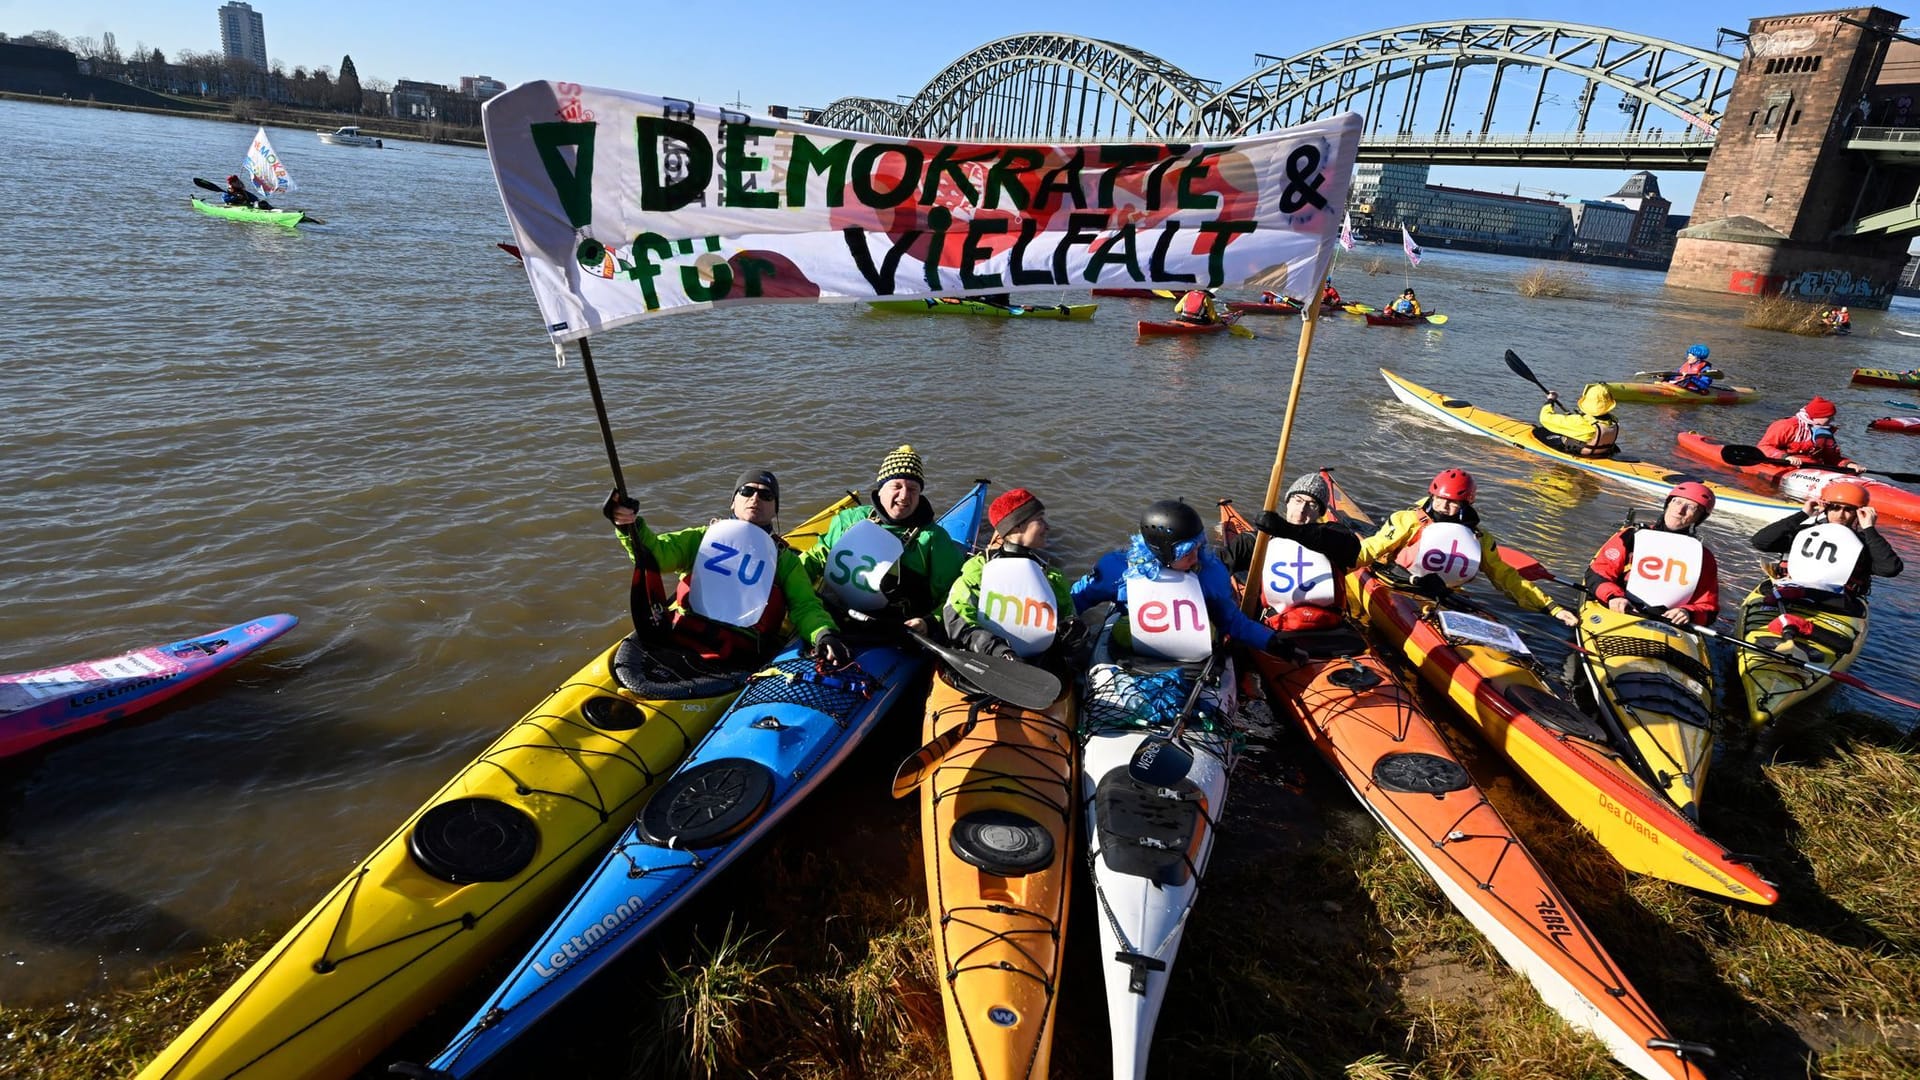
x,y
463,841
1833,603
1147,832
1654,692
708,804
1615,645
1327,644
1002,843
662,671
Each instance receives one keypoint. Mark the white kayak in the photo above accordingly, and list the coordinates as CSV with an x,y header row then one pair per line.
x,y
1148,846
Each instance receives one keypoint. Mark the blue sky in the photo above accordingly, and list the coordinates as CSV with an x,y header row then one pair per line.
x,y
805,54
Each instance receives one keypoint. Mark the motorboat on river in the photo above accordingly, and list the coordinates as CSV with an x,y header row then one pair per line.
x,y
348,136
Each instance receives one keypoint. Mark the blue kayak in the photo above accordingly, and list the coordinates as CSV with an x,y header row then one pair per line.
x,y
787,731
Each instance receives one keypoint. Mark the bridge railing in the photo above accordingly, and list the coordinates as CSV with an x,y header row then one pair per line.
x,y
1886,134
1651,137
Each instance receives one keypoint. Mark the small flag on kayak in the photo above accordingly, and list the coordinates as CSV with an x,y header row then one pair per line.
x,y
264,167
1407,245
1346,232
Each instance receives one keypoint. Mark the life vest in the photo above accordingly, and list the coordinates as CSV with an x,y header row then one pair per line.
x,y
1604,432
1823,557
1664,569
1446,550
858,564
1301,587
1017,602
1169,617
1192,306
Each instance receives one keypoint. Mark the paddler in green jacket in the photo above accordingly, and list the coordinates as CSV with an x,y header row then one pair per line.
x,y
891,555
1439,545
726,607
1009,601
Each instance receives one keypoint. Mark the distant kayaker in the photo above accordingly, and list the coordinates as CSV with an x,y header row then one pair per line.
x,y
238,195
1694,373
1588,429
1662,566
1832,545
1330,296
1196,306
889,556
1029,608
1807,438
726,608
1407,304
1166,577
1304,563
1438,546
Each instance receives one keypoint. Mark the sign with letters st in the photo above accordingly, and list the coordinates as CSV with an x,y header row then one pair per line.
x,y
627,205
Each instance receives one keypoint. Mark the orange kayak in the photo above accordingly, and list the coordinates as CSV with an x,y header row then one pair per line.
x,y
996,826
1371,730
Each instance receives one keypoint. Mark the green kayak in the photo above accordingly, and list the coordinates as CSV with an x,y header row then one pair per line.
x,y
1076,312
289,218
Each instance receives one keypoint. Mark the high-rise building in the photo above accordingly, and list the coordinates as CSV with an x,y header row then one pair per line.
x,y
242,34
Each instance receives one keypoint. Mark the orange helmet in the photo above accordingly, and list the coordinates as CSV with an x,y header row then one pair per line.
x,y
1455,484
1844,493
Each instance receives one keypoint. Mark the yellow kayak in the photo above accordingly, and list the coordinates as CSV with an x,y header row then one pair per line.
x,y
470,873
1000,857
1653,684
1838,630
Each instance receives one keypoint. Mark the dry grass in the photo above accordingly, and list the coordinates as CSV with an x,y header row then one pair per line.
x,y
1318,950
1550,281
1779,313
1375,266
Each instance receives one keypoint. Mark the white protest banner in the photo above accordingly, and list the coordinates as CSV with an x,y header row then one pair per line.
x,y
628,205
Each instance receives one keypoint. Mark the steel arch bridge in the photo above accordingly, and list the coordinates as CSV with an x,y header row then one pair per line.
x,y
1419,87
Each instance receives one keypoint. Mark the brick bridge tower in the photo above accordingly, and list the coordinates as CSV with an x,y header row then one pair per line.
x,y
1790,197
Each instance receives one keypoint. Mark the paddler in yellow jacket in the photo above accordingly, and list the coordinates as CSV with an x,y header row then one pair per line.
x,y
1438,546
1588,430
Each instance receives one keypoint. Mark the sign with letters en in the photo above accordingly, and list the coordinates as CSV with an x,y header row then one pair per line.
x,y
628,205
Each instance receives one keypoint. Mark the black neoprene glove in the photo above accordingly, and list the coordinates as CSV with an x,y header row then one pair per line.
x,y
1271,523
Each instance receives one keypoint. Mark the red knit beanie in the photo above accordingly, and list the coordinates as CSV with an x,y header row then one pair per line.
x,y
1014,509
1820,409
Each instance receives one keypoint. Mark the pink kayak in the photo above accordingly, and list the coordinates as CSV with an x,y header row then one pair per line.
x,y
1150,328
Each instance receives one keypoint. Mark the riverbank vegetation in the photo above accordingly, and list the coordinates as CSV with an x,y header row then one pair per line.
x,y
1549,282
1318,950
1776,312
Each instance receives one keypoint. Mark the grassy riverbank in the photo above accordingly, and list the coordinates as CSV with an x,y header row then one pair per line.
x,y
1318,950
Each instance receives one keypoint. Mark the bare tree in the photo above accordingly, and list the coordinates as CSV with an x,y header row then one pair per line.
x,y
86,48
52,39
110,49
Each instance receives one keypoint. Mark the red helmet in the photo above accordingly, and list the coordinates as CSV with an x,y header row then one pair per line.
x,y
1694,492
1455,484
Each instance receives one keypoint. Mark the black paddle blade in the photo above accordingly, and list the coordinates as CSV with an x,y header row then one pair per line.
x,y
208,184
1012,681
1519,367
309,219
1739,455
1160,762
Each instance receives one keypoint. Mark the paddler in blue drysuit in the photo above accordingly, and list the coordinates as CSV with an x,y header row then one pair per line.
x,y
1438,546
727,608
1028,607
1694,371
889,556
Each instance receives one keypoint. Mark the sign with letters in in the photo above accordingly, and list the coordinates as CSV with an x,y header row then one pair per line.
x,y
628,205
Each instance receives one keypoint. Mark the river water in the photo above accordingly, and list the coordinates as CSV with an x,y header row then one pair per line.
x,y
362,424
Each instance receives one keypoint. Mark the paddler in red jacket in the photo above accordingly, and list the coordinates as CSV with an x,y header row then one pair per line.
x,y
1439,544
1807,438
1662,567
1196,306
739,580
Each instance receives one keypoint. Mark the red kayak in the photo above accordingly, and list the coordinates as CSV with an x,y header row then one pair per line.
x,y
1136,294
1793,482
1907,424
1255,307
1148,329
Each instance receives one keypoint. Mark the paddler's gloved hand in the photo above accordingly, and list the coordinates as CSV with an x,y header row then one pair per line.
x,y
1279,646
1271,523
831,651
999,647
620,505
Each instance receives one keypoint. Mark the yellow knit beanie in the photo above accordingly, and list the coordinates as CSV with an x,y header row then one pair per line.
x,y
903,462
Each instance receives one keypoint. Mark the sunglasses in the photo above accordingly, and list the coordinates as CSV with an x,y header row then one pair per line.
x,y
749,491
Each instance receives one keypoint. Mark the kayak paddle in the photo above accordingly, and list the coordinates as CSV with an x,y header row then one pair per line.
x,y
1738,455
1012,680
1359,309
1234,328
1519,367
1161,760
1436,320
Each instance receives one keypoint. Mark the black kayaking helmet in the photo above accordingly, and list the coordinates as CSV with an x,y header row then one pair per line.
x,y
1166,525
